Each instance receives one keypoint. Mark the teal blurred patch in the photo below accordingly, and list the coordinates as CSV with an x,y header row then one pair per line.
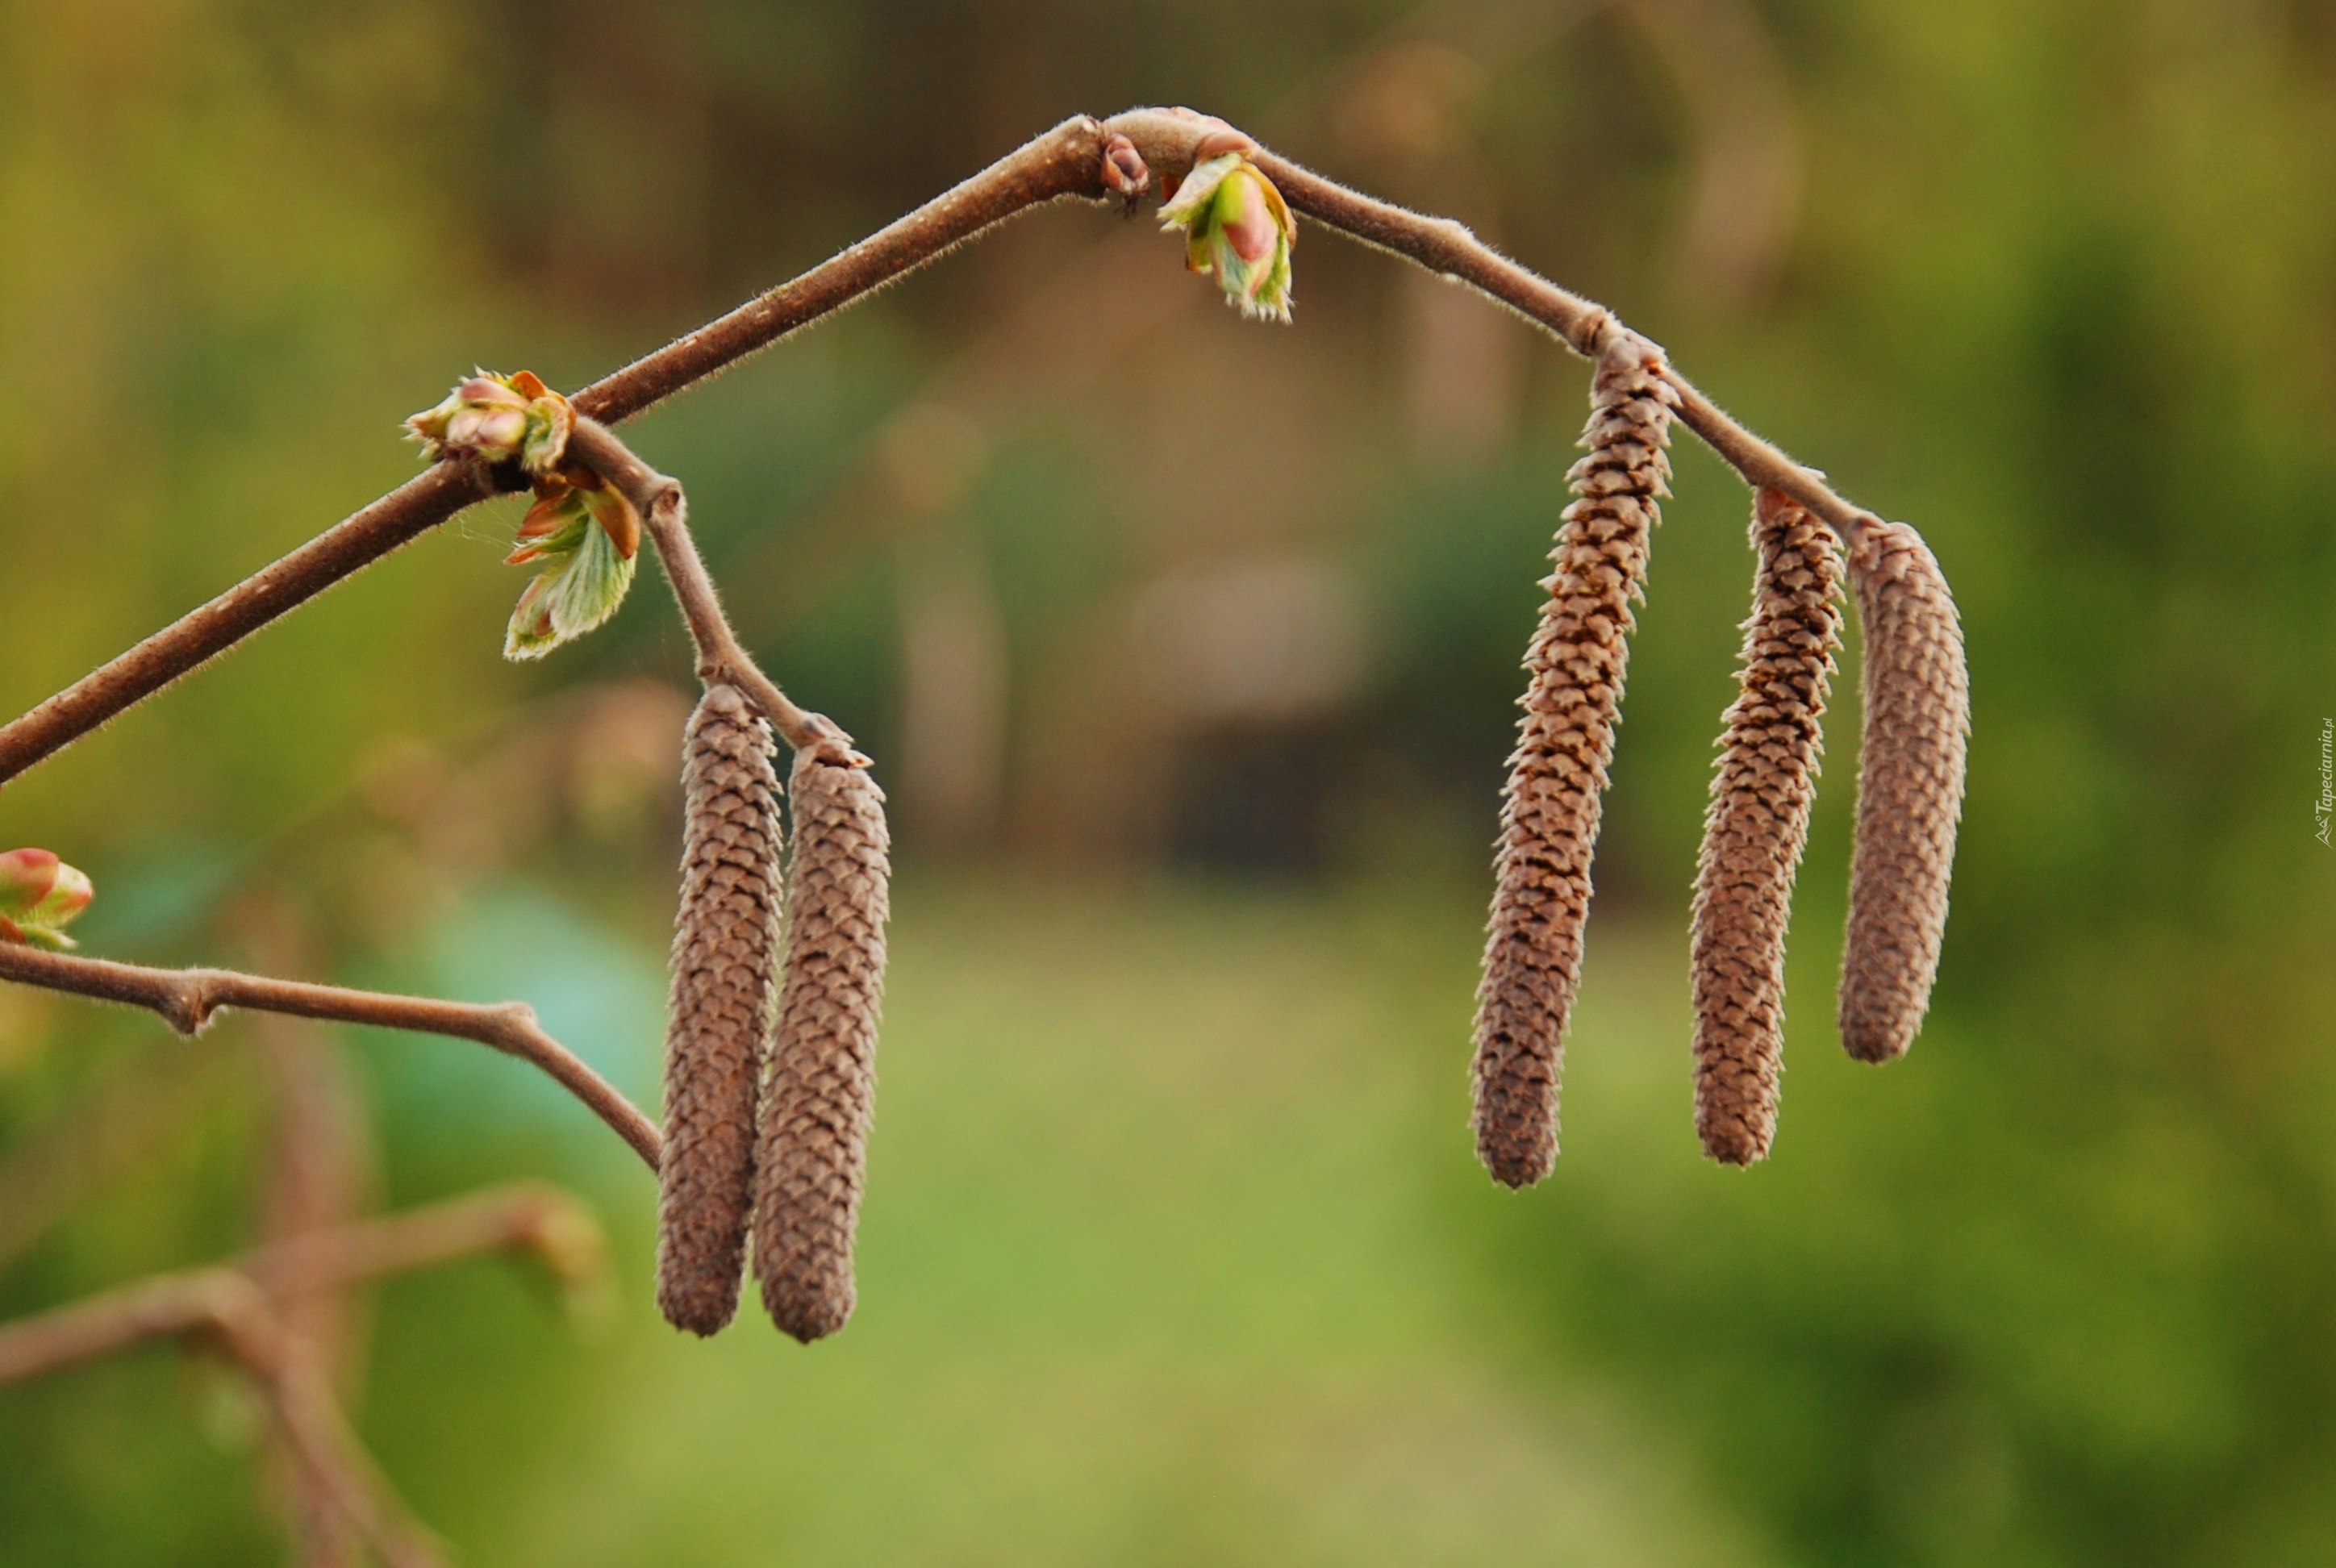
x,y
600,997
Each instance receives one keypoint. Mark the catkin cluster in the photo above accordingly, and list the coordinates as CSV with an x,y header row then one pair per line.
x,y
1756,827
1909,790
724,968
812,1148
771,1050
1549,810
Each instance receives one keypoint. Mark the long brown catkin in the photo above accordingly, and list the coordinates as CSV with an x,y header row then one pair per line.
x,y
725,973
1549,810
1756,825
812,1149
1909,790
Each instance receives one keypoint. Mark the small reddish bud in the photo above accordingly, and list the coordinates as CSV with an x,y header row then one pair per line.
x,y
1125,172
40,895
1250,224
26,878
497,418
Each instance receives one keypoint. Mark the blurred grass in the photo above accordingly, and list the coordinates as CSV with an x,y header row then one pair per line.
x,y
1166,1259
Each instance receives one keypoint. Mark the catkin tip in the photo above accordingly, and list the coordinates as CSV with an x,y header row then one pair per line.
x,y
1916,693
724,975
1550,806
812,1142
1756,825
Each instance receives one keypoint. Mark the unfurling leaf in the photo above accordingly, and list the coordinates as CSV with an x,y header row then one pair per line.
x,y
589,573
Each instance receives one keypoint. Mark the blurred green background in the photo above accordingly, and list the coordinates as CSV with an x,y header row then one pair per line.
x,y
1187,650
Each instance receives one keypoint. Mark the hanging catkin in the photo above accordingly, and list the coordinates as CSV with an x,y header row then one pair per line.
x,y
1909,790
724,969
1756,824
1549,812
812,1154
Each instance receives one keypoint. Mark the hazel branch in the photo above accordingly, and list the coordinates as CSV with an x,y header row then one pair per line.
x,y
1065,162
722,658
526,1215
187,998
231,1311
237,1307
523,1216
1169,140
1113,160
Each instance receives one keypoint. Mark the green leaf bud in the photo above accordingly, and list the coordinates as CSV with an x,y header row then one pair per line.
x,y
1237,228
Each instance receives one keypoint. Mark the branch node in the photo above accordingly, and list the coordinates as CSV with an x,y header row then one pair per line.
x,y
1594,332
189,1007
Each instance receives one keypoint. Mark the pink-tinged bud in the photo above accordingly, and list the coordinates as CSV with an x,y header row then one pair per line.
x,y
1125,172
26,878
495,419
39,896
1248,222
502,429
68,896
1236,227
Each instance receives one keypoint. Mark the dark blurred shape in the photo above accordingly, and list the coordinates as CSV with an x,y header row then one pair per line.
x,y
1249,666
1257,802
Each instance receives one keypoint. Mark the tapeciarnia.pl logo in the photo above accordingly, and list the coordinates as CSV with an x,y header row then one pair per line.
x,y
2324,808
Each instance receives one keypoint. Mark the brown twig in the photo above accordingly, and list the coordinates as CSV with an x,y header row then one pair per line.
x,y
1167,139
1065,162
186,999
318,1177
228,1307
521,1215
243,1308
722,658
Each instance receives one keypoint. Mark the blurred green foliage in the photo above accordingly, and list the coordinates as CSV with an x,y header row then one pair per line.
x,y
1174,1252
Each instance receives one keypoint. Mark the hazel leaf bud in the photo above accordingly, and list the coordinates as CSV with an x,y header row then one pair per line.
x,y
1237,228
40,895
497,419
